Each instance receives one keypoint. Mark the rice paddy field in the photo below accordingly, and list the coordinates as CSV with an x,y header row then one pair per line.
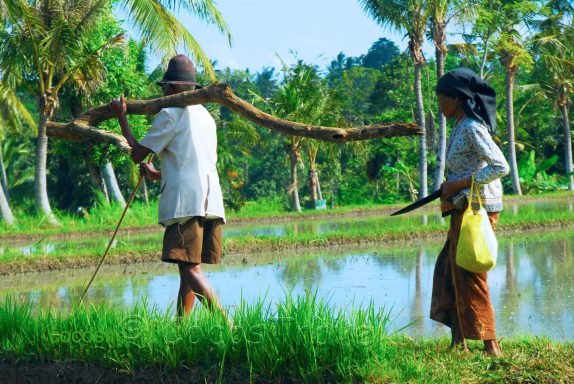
x,y
316,299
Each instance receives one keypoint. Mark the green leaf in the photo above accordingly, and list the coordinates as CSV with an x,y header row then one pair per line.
x,y
547,164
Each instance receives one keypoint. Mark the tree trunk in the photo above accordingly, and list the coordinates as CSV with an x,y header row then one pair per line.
x,y
423,191
319,193
441,152
96,178
5,209
333,194
313,184
40,171
145,192
4,177
510,75
112,183
293,188
567,145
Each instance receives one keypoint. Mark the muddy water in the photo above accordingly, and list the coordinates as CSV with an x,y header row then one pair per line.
x,y
532,287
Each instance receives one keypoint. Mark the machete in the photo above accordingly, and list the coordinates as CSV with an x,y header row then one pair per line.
x,y
419,203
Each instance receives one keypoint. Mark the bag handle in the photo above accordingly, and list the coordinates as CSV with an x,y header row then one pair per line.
x,y
473,188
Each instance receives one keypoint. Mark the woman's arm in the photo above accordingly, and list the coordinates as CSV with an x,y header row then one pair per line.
x,y
497,166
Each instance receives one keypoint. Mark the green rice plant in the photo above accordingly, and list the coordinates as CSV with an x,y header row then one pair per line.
x,y
104,217
375,229
298,339
301,337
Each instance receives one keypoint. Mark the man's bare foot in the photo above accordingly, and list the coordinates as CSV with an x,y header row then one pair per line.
x,y
492,348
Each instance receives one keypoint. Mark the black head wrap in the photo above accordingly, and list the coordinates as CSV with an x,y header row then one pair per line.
x,y
478,98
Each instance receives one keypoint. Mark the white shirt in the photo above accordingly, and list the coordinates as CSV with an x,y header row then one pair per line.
x,y
185,139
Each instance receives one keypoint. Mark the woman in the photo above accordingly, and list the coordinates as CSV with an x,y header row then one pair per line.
x,y
460,298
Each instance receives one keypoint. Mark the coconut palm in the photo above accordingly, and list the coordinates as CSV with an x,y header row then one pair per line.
x,y
44,47
304,97
510,44
301,97
12,116
442,13
555,50
410,16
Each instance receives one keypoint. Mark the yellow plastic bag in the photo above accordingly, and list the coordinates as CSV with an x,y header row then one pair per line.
x,y
477,246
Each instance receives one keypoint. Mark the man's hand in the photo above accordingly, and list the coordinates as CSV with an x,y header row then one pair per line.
x,y
119,106
149,172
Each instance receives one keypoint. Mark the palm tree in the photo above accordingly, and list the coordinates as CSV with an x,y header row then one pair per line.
x,y
510,53
43,47
510,45
410,16
556,60
442,12
46,42
304,97
12,115
301,97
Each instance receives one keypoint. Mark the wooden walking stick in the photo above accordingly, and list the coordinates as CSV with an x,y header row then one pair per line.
x,y
115,232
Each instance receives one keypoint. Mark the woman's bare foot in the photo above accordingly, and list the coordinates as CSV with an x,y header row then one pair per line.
x,y
457,344
492,348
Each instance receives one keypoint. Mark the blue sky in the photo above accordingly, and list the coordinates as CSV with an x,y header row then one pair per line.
x,y
264,29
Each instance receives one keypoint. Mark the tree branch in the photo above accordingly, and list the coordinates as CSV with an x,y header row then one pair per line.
x,y
82,128
79,131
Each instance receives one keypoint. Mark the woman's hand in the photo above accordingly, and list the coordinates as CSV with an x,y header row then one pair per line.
x,y
450,187
150,173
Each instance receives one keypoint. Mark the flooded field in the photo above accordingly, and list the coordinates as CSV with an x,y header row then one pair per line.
x,y
532,286
52,245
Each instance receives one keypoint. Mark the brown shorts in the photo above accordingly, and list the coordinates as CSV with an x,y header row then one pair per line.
x,y
195,241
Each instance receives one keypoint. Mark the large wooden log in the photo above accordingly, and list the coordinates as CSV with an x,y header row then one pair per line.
x,y
83,127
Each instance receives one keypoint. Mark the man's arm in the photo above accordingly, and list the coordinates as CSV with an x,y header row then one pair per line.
x,y
138,152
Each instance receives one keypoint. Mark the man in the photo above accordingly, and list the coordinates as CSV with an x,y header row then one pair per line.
x,y
191,202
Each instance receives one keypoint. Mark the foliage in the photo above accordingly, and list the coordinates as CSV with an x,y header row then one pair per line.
x,y
374,87
301,339
533,176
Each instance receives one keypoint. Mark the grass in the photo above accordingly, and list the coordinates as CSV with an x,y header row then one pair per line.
x,y
300,339
105,217
82,252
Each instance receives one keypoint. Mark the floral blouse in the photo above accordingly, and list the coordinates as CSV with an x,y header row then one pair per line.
x,y
470,150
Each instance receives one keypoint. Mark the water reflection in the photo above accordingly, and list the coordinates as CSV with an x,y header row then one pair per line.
x,y
532,287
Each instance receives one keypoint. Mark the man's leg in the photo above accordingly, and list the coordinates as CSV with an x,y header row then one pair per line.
x,y
192,277
185,297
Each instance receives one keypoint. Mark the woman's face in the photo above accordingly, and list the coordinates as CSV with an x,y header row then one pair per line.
x,y
449,106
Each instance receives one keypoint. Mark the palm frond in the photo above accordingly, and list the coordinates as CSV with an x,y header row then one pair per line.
x,y
387,13
29,24
12,111
89,60
90,15
164,32
204,9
